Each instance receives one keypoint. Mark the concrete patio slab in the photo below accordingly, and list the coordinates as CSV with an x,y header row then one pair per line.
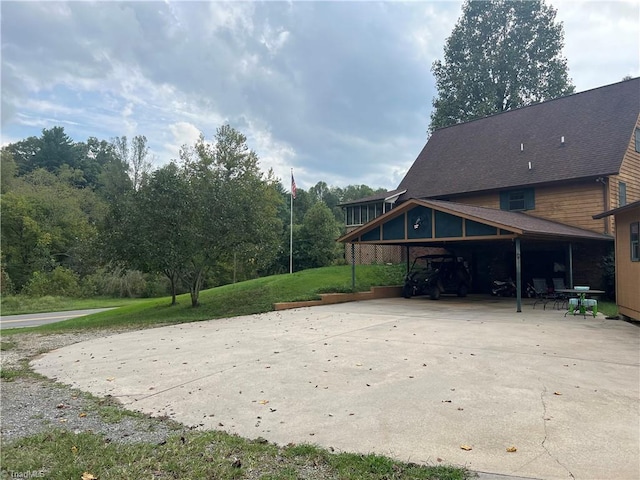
x,y
413,379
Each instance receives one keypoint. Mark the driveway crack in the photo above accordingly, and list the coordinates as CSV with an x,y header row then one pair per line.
x,y
545,419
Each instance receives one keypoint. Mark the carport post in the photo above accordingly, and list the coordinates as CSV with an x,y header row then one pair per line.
x,y
518,278
353,267
407,251
570,255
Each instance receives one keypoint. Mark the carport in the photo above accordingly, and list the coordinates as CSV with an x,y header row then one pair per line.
x,y
439,223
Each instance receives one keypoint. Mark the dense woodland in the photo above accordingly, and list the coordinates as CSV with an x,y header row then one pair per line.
x,y
95,218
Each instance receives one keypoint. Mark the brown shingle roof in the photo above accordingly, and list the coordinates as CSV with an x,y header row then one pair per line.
x,y
525,223
615,211
377,197
486,154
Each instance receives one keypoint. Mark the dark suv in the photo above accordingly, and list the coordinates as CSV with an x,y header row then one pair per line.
x,y
435,274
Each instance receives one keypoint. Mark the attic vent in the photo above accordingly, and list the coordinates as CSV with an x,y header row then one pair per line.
x,y
562,140
522,147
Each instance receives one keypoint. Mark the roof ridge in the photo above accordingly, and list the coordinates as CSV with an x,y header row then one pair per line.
x,y
544,102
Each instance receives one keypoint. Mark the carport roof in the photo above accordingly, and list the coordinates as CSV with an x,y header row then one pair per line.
x,y
506,224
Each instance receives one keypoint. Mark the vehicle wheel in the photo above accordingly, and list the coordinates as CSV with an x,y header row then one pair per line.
x,y
407,290
463,290
434,293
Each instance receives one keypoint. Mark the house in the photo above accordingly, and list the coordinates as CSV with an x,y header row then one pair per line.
x,y
627,233
515,193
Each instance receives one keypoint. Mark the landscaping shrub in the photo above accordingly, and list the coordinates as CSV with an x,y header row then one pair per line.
x,y
59,282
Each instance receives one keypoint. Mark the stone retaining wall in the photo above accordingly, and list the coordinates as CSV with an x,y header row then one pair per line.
x,y
331,298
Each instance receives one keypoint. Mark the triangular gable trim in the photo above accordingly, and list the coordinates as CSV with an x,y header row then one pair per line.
x,y
356,236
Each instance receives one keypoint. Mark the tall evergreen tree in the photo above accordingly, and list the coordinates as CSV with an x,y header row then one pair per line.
x,y
501,54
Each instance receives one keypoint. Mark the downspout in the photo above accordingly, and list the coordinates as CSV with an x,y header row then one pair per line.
x,y
605,202
570,252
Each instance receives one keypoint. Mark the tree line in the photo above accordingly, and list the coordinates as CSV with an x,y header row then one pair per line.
x,y
94,218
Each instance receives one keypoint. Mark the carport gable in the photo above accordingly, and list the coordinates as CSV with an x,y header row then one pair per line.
x,y
437,221
426,221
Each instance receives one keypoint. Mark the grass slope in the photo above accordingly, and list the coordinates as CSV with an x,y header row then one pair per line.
x,y
245,298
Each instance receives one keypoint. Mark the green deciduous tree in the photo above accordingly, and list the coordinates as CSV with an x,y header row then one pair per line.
x,y
148,229
133,154
315,241
46,222
501,54
233,206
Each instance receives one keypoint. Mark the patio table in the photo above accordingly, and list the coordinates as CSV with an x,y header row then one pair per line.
x,y
581,295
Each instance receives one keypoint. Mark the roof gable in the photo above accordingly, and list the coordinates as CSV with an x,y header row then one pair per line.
x,y
433,221
578,136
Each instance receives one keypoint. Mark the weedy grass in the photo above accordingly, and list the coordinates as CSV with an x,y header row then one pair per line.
x,y
21,370
194,455
6,345
609,309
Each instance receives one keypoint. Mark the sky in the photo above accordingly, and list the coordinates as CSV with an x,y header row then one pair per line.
x,y
339,91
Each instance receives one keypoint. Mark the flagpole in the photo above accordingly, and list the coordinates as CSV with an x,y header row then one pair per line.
x,y
291,229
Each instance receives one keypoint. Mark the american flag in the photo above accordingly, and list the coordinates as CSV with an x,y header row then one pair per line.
x,y
293,186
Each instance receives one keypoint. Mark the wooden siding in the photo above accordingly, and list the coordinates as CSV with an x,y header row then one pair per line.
x,y
629,173
627,272
572,204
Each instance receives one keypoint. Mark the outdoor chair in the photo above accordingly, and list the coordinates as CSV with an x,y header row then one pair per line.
x,y
541,292
559,298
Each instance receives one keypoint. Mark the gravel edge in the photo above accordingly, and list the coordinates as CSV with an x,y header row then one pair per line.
x,y
31,404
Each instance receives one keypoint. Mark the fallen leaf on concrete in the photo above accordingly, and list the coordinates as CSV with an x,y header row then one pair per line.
x,y
111,379
512,449
466,447
557,393
63,420
82,414
264,402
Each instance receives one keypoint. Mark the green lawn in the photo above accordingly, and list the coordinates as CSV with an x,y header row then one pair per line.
x,y
18,304
245,298
62,455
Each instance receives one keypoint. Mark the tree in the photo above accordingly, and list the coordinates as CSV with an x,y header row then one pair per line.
x,y
45,223
316,238
134,155
50,151
501,54
146,229
232,206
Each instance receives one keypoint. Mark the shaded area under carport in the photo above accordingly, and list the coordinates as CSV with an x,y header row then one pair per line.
x,y
425,223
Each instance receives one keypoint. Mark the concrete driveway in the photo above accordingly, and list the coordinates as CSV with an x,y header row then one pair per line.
x,y
414,379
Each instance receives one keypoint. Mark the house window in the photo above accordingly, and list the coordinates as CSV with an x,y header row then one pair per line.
x,y
635,242
517,200
638,140
361,214
622,194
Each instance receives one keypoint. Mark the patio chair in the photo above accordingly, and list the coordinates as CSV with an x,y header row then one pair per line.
x,y
541,290
560,299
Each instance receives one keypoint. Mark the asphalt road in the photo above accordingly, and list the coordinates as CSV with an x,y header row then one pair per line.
x,y
35,319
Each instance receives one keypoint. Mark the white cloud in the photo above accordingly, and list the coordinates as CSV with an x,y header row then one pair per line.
x,y
341,91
